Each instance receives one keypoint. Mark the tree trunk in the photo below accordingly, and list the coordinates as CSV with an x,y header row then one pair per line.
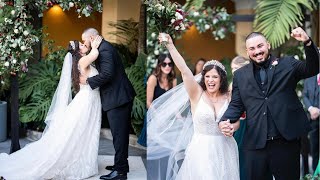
x,y
15,123
142,29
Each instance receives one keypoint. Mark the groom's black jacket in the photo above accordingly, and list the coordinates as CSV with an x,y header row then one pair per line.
x,y
115,87
280,100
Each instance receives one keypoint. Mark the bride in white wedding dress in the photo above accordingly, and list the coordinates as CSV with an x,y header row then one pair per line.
x,y
186,144
68,148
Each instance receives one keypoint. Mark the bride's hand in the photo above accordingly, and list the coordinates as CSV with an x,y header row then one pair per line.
x,y
96,42
163,37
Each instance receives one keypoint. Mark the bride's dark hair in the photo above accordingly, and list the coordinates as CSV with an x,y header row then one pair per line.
x,y
74,49
223,78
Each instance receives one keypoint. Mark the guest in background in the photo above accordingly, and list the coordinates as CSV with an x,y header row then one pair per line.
x,y
311,101
198,66
160,81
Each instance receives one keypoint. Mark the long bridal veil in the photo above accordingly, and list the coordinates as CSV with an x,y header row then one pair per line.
x,y
62,96
169,131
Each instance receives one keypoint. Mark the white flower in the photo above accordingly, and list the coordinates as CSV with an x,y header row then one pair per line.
x,y
14,45
172,21
177,27
13,12
207,26
149,58
156,52
200,20
26,60
23,48
71,4
14,61
182,27
16,31
159,7
215,21
296,57
153,35
178,16
6,64
2,82
274,63
195,14
25,33
299,93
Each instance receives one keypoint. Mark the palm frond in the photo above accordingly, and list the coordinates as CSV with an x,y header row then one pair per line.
x,y
276,18
127,31
196,4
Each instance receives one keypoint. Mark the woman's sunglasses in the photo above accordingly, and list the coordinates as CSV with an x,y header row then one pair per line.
x,y
167,64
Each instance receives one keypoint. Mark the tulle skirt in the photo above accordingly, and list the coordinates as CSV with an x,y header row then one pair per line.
x,y
210,157
67,150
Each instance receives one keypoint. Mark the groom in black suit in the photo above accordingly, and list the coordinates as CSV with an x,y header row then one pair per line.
x,y
265,89
117,96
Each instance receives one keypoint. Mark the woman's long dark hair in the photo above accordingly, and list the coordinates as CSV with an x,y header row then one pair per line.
x,y
158,73
223,78
195,65
74,49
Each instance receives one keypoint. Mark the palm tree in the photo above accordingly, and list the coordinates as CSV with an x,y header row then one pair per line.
x,y
276,18
142,29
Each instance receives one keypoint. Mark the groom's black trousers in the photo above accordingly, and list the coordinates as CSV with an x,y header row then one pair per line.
x,y
280,157
119,120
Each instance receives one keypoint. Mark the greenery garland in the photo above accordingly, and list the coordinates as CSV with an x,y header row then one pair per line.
x,y
18,35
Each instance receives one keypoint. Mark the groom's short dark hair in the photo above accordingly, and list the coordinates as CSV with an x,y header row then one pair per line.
x,y
91,31
254,34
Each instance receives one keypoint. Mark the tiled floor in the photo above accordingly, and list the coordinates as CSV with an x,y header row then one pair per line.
x,y
137,158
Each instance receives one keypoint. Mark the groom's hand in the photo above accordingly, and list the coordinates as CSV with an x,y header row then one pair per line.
x,y
300,35
83,80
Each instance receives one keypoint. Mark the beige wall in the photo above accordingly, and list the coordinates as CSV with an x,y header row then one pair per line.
x,y
195,45
242,30
114,10
64,26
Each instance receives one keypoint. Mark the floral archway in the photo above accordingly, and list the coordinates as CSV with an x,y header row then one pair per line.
x,y
175,19
17,39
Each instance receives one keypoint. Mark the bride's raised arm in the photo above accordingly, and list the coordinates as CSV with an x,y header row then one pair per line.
x,y
193,88
86,60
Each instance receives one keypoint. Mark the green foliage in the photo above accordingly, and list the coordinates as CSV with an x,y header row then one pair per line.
x,y
136,75
195,4
37,88
276,18
310,177
227,64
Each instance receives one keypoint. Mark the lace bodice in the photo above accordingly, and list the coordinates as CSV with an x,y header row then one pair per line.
x,y
204,118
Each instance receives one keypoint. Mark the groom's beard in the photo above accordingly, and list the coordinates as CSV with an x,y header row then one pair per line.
x,y
260,63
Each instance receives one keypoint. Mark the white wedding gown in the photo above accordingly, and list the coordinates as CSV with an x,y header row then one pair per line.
x,y
210,155
69,147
